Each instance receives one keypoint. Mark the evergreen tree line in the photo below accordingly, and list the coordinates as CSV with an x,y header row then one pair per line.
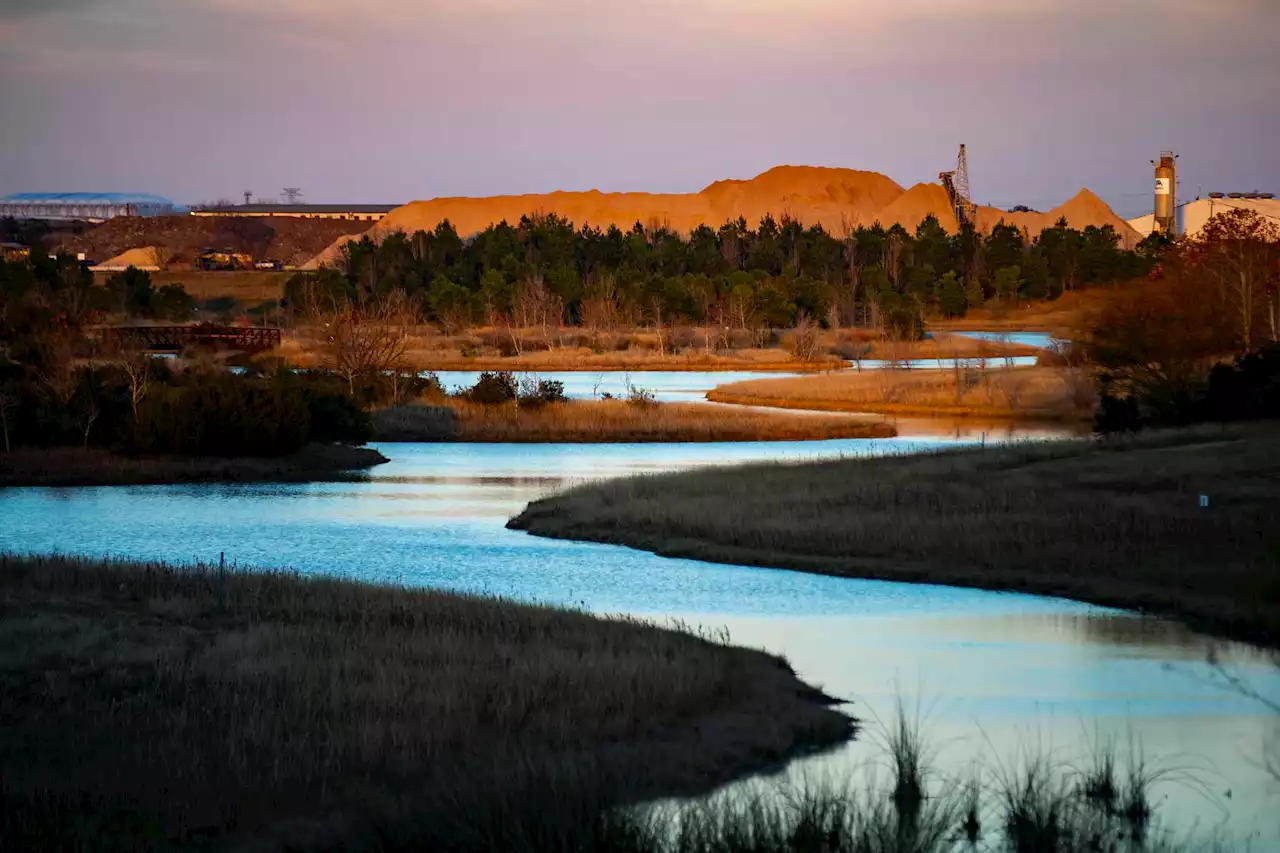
x,y
545,270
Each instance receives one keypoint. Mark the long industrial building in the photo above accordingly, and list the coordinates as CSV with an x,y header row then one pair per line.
x,y
353,212
85,207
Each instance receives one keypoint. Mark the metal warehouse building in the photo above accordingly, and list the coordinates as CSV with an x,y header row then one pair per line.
x,y
353,212
93,207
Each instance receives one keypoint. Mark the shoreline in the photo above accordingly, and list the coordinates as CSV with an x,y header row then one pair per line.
x,y
532,713
73,467
994,519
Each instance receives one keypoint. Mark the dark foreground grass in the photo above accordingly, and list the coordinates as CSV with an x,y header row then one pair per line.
x,y
1115,523
147,707
64,466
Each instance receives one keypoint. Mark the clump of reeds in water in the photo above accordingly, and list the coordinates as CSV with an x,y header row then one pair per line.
x,y
1029,802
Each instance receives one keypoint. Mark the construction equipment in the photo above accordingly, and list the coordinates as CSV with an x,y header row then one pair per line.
x,y
223,260
956,183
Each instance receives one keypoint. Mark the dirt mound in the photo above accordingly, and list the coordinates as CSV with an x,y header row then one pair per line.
x,y
180,239
917,203
148,257
836,199
1081,211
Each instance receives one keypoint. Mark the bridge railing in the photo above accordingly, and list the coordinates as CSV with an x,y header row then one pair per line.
x,y
179,338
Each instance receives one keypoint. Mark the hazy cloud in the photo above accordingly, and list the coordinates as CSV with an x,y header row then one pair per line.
x,y
15,9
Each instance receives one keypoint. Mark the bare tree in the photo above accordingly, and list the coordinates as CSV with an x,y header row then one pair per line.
x,y
537,307
369,339
806,337
658,326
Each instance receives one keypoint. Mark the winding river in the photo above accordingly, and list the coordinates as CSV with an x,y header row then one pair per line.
x,y
990,671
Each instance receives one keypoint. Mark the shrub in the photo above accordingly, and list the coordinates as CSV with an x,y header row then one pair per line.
x,y
493,389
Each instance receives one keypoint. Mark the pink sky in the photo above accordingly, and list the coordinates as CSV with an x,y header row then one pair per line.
x,y
389,100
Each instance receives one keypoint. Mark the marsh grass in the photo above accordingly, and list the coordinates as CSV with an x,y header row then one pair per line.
x,y
1031,393
71,466
1116,523
684,349
1032,800
153,707
598,421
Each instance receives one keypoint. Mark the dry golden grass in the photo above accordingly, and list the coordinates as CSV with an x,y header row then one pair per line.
x,y
600,421
70,466
148,707
1034,393
1061,316
570,350
1112,523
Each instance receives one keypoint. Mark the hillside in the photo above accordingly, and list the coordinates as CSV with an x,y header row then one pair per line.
x,y
181,238
836,199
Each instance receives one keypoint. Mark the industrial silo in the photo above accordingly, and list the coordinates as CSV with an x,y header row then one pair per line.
x,y
1167,194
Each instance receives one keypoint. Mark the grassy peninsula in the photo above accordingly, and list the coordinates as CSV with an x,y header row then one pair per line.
x,y
70,466
1061,395
153,707
600,421
1116,523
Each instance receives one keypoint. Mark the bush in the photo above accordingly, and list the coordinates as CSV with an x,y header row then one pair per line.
x,y
493,389
534,393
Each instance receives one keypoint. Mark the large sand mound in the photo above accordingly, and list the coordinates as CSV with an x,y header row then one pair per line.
x,y
836,199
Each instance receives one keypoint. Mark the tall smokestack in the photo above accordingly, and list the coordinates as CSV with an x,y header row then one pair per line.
x,y
1167,194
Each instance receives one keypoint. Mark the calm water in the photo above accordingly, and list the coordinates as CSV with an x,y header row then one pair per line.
x,y
994,670
684,387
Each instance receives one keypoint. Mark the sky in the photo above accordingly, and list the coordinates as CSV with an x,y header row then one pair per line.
x,y
384,101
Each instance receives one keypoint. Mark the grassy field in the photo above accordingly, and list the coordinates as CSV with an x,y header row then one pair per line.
x,y
148,707
1031,393
1116,524
1062,316
63,466
600,421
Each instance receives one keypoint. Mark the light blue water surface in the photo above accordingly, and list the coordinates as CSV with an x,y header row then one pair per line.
x,y
671,386
997,669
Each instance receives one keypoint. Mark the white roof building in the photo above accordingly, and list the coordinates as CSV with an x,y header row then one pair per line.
x,y
1194,215
1198,213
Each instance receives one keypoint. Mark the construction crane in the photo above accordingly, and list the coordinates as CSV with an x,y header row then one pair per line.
x,y
956,183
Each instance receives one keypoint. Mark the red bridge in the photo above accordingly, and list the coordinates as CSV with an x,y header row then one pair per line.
x,y
179,338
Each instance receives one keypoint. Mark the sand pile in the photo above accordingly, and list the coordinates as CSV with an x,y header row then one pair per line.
x,y
836,199
1081,211
911,208
145,258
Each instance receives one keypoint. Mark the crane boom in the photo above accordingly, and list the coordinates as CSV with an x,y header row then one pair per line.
x,y
956,183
